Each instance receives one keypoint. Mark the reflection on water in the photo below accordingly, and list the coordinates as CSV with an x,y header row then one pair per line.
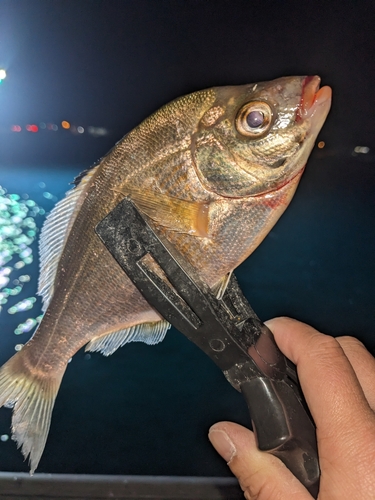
x,y
18,231
26,197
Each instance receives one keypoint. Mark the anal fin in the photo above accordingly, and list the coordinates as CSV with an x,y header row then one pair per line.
x,y
149,333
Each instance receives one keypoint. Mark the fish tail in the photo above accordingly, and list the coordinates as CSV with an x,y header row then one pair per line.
x,y
32,396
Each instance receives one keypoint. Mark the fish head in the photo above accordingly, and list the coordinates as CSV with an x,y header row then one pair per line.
x,y
220,166
256,138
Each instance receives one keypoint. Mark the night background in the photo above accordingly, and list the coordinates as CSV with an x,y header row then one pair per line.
x,y
101,67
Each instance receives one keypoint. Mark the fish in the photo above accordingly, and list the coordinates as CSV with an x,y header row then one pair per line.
x,y
213,170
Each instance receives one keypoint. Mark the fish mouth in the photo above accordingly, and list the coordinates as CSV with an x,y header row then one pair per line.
x,y
313,108
314,100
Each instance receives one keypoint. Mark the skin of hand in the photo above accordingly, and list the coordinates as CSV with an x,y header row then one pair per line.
x,y
337,377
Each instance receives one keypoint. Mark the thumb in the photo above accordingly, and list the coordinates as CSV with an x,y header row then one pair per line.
x,y
261,475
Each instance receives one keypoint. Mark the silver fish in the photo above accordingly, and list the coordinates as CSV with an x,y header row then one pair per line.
x,y
214,170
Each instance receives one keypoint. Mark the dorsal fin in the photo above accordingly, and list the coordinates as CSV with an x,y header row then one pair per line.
x,y
77,180
82,175
54,235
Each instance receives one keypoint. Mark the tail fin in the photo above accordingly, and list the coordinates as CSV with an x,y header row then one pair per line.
x,y
32,397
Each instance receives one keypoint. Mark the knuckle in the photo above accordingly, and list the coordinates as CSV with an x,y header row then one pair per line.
x,y
324,347
258,486
351,343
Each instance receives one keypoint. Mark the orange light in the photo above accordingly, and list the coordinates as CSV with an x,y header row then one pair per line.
x,y
321,144
65,124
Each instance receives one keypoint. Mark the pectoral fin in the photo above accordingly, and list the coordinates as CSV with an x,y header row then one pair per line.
x,y
219,288
177,215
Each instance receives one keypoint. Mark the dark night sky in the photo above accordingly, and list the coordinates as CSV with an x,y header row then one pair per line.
x,y
111,63
114,62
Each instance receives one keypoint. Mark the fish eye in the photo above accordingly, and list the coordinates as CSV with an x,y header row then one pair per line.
x,y
254,119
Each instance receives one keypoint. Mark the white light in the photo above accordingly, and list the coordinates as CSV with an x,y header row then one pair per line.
x,y
3,74
3,281
97,131
361,149
80,130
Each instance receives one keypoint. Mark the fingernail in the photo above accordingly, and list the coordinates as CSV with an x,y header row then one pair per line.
x,y
222,444
269,322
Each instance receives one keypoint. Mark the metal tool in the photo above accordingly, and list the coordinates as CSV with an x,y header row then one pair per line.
x,y
227,330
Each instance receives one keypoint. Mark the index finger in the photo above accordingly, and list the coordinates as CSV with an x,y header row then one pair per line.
x,y
329,383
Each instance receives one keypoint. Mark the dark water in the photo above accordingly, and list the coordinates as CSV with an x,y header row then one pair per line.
x,y
146,410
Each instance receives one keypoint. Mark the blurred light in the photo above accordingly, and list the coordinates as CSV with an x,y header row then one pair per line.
x,y
3,281
15,128
4,438
52,126
26,326
97,131
361,149
23,305
42,125
321,144
32,128
65,124
3,74
16,224
80,130
18,231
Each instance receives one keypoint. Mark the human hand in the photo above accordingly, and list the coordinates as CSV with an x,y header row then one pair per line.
x,y
337,377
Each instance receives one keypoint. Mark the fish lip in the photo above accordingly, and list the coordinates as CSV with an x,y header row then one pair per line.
x,y
312,97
